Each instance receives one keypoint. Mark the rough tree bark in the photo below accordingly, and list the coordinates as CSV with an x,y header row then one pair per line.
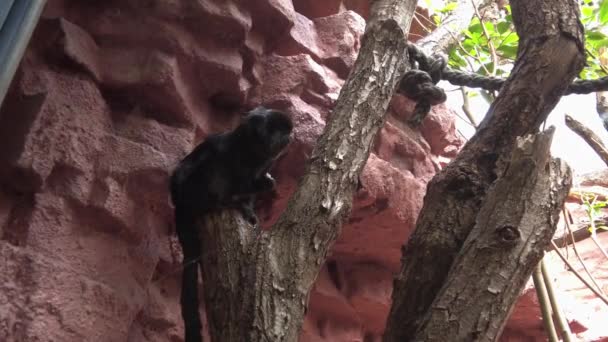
x,y
256,284
550,55
513,228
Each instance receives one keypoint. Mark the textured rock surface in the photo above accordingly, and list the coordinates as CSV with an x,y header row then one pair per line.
x,y
111,94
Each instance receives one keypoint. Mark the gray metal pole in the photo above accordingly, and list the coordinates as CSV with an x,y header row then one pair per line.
x,y
15,34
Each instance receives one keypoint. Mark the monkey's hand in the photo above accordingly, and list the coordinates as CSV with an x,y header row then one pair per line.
x,y
250,217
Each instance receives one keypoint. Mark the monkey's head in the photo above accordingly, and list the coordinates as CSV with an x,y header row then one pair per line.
x,y
268,131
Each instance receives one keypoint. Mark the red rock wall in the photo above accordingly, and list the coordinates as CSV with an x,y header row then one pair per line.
x,y
111,94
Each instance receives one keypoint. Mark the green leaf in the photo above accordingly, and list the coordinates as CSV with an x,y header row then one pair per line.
x,y
602,43
448,8
489,27
510,39
509,51
603,14
474,37
504,69
456,60
482,69
588,74
475,28
468,44
594,45
586,12
595,35
503,27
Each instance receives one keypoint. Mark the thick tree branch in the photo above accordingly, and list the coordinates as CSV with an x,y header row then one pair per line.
x,y
256,285
590,138
550,55
513,229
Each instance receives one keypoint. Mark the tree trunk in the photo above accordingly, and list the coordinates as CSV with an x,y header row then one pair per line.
x,y
513,228
256,285
550,56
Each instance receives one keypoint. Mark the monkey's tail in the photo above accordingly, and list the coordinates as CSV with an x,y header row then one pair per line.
x,y
187,233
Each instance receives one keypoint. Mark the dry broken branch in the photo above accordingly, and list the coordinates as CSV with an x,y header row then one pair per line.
x,y
590,138
513,229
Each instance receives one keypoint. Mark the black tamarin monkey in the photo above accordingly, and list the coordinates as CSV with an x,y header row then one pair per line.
x,y
224,171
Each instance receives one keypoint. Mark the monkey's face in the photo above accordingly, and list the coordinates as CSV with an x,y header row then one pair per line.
x,y
270,130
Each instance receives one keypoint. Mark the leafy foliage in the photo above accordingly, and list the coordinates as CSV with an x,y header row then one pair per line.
x,y
489,45
479,40
593,207
594,16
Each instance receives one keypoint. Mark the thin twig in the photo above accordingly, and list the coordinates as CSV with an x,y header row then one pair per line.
x,y
417,17
580,193
597,242
465,120
480,61
462,135
593,229
602,66
175,270
490,44
466,107
465,52
562,323
578,275
578,255
505,38
543,301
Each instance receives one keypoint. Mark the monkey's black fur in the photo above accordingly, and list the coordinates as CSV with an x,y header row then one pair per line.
x,y
224,171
